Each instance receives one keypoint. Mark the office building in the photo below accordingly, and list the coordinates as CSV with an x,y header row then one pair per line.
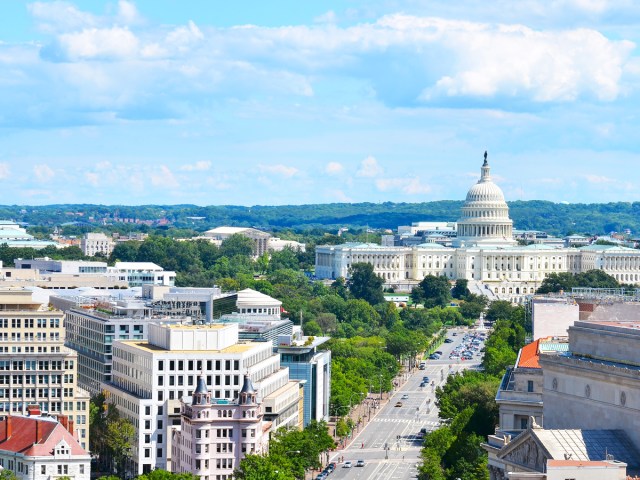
x,y
149,378
35,365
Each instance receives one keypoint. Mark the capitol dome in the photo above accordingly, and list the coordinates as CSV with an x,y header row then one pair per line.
x,y
485,214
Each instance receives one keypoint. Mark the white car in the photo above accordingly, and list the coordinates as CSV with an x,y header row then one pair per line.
x,y
405,397
347,465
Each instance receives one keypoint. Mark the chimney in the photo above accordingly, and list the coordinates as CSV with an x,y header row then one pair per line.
x,y
64,421
70,427
37,431
33,409
9,427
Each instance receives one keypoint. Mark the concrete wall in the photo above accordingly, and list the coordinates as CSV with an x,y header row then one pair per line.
x,y
552,319
579,393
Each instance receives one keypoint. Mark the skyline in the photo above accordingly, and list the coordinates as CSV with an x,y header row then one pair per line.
x,y
157,102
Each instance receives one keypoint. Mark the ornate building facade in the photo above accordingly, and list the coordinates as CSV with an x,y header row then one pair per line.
x,y
484,252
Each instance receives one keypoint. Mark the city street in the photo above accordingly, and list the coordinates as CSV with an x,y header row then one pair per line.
x,y
390,443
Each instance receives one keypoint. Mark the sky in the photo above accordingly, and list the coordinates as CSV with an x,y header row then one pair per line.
x,y
276,102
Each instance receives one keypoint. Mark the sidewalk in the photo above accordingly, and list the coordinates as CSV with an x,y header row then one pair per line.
x,y
367,410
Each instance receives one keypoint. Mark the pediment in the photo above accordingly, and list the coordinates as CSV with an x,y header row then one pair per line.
x,y
525,452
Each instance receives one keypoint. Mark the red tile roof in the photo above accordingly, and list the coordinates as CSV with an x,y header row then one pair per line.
x,y
35,436
529,356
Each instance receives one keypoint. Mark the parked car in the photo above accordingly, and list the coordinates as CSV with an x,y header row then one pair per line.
x,y
360,463
347,465
448,340
405,397
398,404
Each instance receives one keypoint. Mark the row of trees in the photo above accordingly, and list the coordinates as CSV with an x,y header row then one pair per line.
x,y
291,453
467,403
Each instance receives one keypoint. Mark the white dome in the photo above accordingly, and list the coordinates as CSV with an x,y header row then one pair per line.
x,y
485,192
485,214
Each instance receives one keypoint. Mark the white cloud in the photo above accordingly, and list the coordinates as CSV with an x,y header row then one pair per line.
x,y
98,43
164,178
128,13
333,168
369,168
43,172
92,178
59,16
5,170
327,17
598,179
199,166
185,37
409,186
279,169
339,196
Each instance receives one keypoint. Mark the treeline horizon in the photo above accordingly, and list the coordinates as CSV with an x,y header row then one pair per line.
x,y
553,218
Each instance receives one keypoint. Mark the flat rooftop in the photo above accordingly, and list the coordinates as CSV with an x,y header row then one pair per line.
x,y
236,348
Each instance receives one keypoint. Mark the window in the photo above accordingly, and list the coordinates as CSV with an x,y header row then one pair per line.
x,y
63,469
530,386
81,469
43,469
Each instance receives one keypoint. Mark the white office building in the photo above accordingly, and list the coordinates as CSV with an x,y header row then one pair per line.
x,y
150,377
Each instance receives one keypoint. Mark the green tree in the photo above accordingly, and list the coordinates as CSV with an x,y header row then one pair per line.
x,y
434,291
285,258
7,475
311,328
364,284
237,244
160,474
556,282
124,252
120,436
262,467
460,289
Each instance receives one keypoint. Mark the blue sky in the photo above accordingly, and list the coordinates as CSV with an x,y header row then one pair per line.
x,y
290,102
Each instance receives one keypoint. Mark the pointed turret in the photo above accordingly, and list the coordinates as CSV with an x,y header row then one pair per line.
x,y
248,392
201,395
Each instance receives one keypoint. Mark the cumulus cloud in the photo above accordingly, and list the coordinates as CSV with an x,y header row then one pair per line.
x,y
5,170
43,172
128,13
164,177
369,168
279,169
96,43
409,186
59,16
333,168
199,166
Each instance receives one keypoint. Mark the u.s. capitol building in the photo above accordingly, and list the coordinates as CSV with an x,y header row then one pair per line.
x,y
484,252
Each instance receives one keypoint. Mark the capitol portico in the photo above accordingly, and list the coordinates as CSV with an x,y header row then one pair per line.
x,y
484,252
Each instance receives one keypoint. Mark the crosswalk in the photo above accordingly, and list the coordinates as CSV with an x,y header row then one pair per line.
x,y
406,420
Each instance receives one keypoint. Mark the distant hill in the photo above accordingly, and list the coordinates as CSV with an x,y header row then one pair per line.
x,y
555,218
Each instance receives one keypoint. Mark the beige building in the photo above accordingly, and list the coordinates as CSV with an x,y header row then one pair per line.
x,y
263,241
96,242
35,365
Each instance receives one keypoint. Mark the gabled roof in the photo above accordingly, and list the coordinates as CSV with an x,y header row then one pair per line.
x,y
23,437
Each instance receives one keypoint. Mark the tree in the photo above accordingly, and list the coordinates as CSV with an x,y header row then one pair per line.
x,y
312,329
460,289
434,291
160,474
124,252
364,284
120,436
556,282
262,467
285,258
237,244
7,475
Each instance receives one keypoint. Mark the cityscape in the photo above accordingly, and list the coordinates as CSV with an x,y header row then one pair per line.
x,y
347,240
